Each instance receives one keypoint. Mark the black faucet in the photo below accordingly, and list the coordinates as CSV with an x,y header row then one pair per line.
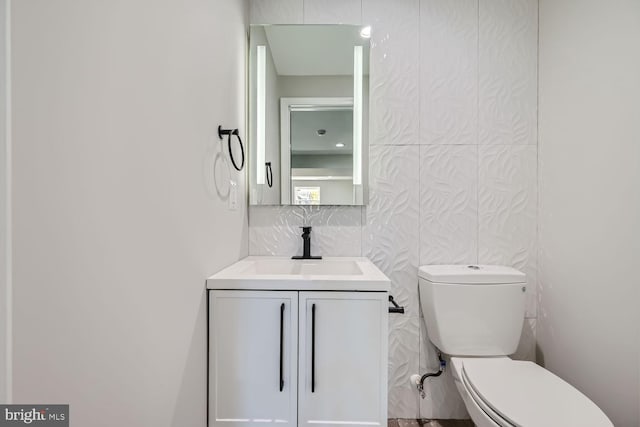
x,y
306,250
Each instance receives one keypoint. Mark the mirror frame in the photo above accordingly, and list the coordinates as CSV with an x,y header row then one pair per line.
x,y
255,117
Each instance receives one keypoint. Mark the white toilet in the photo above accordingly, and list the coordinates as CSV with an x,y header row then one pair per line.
x,y
475,314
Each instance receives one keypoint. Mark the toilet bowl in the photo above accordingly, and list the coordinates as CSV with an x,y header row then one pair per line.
x,y
504,392
475,315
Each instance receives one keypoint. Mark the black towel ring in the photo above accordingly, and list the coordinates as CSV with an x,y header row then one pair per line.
x,y
269,173
229,133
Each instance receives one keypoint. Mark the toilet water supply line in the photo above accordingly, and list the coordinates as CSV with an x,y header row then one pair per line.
x,y
419,381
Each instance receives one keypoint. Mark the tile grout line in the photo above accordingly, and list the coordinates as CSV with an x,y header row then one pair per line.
x,y
478,132
538,209
419,83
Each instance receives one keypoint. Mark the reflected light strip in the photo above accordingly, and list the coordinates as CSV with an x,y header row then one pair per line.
x,y
261,77
357,115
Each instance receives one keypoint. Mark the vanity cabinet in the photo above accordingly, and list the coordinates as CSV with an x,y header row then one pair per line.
x,y
342,359
253,354
297,358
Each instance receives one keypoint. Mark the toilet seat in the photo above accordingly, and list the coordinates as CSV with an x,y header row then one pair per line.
x,y
516,393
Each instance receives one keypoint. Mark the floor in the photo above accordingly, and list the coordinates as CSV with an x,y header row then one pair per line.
x,y
429,423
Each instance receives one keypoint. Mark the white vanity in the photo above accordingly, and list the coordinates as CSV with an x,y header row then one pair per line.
x,y
298,342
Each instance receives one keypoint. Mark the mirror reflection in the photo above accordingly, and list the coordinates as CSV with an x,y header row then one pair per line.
x,y
309,87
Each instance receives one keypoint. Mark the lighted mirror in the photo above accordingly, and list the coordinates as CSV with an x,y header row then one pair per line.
x,y
309,115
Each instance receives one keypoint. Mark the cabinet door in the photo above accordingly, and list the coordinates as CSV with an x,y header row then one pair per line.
x,y
342,376
252,358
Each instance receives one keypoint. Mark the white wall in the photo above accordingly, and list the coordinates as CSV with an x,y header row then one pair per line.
x,y
4,228
329,161
589,199
453,95
117,220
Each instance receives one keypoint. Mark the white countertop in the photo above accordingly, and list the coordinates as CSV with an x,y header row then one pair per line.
x,y
283,273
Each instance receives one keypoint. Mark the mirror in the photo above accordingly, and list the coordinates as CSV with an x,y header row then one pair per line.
x,y
308,114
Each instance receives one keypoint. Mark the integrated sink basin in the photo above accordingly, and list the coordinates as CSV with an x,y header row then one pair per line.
x,y
327,267
330,273
330,267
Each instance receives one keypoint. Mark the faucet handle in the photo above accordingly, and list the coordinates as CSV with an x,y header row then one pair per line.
x,y
306,229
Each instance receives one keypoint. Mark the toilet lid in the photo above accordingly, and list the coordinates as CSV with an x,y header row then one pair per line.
x,y
528,395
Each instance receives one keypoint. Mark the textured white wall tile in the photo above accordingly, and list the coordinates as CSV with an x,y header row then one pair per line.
x,y
394,81
275,230
434,203
448,71
508,210
448,204
332,12
404,360
508,71
337,230
276,11
527,346
442,398
390,236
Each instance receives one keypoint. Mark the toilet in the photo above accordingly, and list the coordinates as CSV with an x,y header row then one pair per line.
x,y
475,314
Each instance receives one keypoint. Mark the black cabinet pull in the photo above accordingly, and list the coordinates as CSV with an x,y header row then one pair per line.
x,y
281,346
313,348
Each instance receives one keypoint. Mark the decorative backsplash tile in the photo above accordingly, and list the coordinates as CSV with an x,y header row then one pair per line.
x,y
449,71
275,230
508,79
338,230
394,82
448,204
332,12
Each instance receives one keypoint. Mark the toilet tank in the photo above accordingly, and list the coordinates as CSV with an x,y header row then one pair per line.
x,y
473,310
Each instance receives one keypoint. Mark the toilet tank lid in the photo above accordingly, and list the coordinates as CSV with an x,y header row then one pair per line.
x,y
471,274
